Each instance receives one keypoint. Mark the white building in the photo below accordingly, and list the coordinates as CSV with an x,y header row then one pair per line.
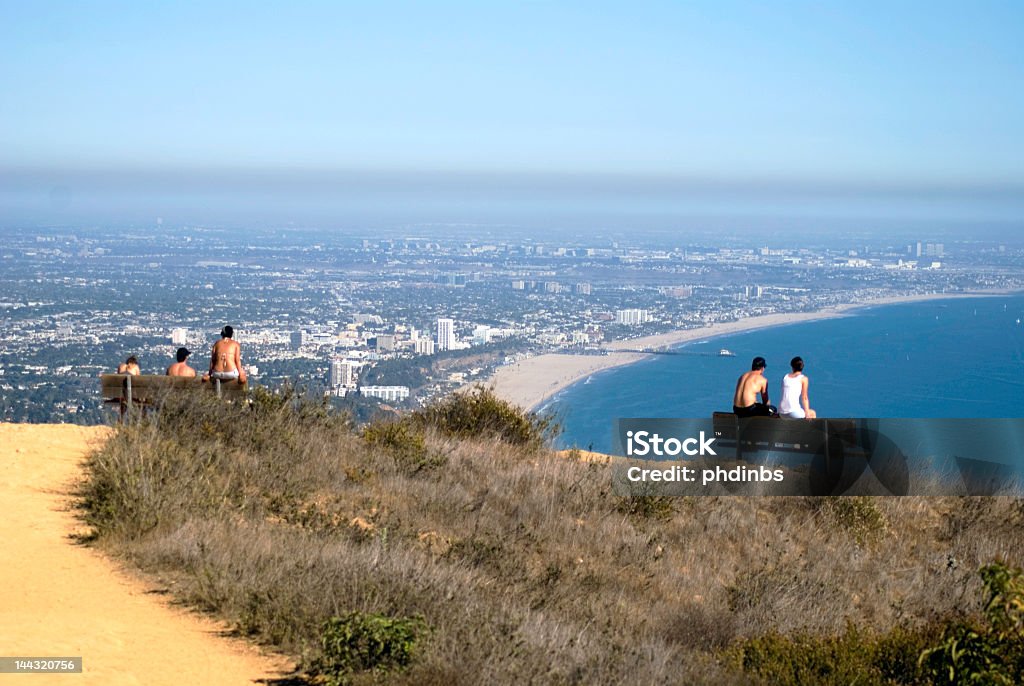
x,y
632,317
482,334
343,373
445,334
179,336
423,346
389,393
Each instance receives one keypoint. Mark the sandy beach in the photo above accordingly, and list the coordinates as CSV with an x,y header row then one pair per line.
x,y
532,381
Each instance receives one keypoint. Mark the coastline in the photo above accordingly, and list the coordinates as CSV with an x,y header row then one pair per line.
x,y
533,381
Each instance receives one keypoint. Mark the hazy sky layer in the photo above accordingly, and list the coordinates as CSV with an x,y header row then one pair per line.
x,y
678,106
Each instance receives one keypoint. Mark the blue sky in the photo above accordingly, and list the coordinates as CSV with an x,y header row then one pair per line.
x,y
921,99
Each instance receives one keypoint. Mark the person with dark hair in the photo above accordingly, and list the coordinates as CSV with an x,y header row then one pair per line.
x,y
181,368
226,358
752,383
129,366
794,393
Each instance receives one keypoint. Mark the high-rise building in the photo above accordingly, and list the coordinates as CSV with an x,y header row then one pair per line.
x,y
343,373
385,342
179,336
298,338
445,333
582,289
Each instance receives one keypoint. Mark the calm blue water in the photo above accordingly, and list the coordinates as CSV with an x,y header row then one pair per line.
x,y
943,358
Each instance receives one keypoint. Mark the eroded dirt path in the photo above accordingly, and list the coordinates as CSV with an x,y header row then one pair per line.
x,y
58,598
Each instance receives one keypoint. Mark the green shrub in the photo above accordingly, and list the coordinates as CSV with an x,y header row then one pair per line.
x,y
359,642
480,413
406,442
853,657
991,652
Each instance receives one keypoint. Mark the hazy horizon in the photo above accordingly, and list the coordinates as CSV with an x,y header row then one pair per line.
x,y
329,113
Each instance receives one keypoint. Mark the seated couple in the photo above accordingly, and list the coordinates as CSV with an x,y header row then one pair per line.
x,y
794,393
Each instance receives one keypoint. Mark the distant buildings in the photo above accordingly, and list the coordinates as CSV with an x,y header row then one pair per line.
x,y
445,334
680,291
423,346
179,336
453,279
920,249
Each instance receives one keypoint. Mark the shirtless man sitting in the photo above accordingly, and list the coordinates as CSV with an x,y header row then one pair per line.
x,y
744,400
226,359
181,368
130,366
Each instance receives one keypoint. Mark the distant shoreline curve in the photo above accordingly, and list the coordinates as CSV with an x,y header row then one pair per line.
x,y
533,381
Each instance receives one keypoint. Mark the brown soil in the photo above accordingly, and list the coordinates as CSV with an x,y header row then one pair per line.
x,y
59,598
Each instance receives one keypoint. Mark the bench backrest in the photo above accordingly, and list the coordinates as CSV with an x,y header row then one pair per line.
x,y
781,431
146,388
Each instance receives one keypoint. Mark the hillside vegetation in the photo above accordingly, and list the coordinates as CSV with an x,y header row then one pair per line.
x,y
454,547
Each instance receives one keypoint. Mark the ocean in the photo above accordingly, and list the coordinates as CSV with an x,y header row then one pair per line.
x,y
942,358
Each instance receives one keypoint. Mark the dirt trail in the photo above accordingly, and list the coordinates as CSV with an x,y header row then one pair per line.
x,y
61,599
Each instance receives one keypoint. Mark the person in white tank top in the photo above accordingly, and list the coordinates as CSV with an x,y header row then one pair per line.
x,y
795,403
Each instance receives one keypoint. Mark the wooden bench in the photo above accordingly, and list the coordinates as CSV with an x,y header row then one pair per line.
x,y
145,390
827,437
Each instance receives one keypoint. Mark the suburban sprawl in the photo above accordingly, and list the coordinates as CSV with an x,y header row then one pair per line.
x,y
397,318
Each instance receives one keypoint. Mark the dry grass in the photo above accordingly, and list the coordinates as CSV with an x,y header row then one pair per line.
x,y
523,563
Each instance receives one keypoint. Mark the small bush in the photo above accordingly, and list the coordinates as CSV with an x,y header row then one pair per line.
x,y
359,642
660,507
858,516
991,652
406,442
479,413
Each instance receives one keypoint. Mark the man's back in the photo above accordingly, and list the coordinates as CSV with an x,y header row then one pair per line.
x,y
747,388
180,369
